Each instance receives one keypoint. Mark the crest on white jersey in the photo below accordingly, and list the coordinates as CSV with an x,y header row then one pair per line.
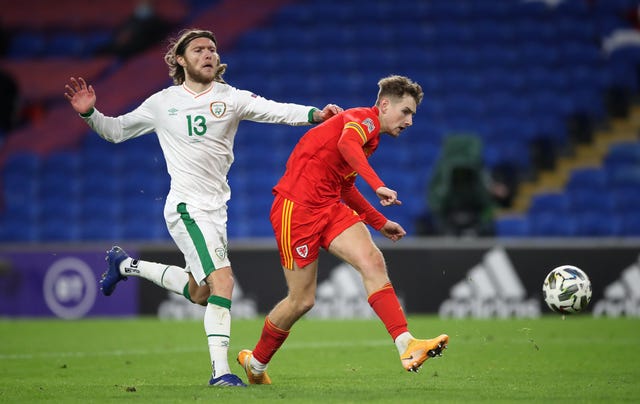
x,y
218,108
221,252
302,251
369,124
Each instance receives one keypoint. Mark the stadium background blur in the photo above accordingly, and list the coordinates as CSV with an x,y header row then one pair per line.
x,y
548,86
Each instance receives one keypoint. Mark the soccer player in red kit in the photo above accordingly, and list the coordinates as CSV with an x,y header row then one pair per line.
x,y
317,205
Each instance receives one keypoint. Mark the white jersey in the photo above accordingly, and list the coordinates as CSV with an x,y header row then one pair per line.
x,y
196,133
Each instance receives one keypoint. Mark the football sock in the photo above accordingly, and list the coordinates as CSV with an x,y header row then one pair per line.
x,y
256,366
169,277
217,326
402,341
386,305
270,341
185,292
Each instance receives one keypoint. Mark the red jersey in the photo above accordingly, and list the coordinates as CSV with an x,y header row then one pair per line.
x,y
323,166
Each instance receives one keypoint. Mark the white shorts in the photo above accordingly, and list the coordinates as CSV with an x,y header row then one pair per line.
x,y
201,236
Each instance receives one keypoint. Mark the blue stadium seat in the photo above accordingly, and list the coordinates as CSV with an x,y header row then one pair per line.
x,y
57,228
622,72
107,185
16,228
549,224
514,152
109,207
60,205
100,228
596,224
24,163
590,178
624,175
67,44
95,41
625,199
138,224
551,203
536,53
590,201
137,228
67,162
19,182
630,224
25,45
60,173
513,226
624,153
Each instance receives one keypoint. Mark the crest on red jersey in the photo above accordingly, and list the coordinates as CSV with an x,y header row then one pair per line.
x,y
302,251
369,124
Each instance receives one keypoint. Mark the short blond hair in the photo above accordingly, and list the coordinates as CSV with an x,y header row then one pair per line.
x,y
398,86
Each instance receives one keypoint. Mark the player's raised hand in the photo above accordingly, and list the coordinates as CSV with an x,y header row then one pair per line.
x,y
388,196
393,231
327,112
81,97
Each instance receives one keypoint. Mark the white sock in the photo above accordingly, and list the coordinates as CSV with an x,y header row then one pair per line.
x,y
257,367
168,277
217,326
402,341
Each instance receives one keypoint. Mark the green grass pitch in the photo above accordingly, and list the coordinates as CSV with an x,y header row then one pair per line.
x,y
572,360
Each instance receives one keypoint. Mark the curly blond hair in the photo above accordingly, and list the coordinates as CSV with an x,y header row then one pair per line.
x,y
177,47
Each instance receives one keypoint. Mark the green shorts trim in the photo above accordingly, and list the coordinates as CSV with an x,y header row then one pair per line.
x,y
198,239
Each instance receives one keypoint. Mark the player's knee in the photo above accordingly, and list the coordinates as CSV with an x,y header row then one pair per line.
x,y
376,260
303,304
200,295
225,281
372,263
221,282
308,304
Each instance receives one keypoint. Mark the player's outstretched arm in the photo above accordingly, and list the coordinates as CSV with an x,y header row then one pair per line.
x,y
81,97
393,231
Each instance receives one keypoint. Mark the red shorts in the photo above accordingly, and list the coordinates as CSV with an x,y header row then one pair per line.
x,y
300,231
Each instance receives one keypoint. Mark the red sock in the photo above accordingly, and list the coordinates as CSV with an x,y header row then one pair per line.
x,y
386,305
270,341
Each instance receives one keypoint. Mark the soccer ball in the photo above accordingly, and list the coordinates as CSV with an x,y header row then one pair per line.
x,y
567,289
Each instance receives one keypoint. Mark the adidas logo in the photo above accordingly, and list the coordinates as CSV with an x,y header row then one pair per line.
x,y
132,268
491,289
622,297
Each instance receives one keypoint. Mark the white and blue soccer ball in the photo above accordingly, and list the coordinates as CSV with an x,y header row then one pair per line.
x,y
567,289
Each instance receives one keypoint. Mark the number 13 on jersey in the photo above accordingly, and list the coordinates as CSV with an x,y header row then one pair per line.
x,y
197,125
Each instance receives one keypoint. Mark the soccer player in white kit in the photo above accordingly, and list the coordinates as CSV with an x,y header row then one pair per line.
x,y
196,121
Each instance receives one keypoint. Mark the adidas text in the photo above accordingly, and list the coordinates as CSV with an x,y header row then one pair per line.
x,y
492,288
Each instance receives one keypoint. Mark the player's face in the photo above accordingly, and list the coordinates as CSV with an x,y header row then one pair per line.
x,y
200,60
397,114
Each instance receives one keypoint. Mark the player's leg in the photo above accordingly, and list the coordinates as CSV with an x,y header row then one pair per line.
x,y
355,246
201,236
217,326
198,294
296,229
120,266
170,277
301,284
